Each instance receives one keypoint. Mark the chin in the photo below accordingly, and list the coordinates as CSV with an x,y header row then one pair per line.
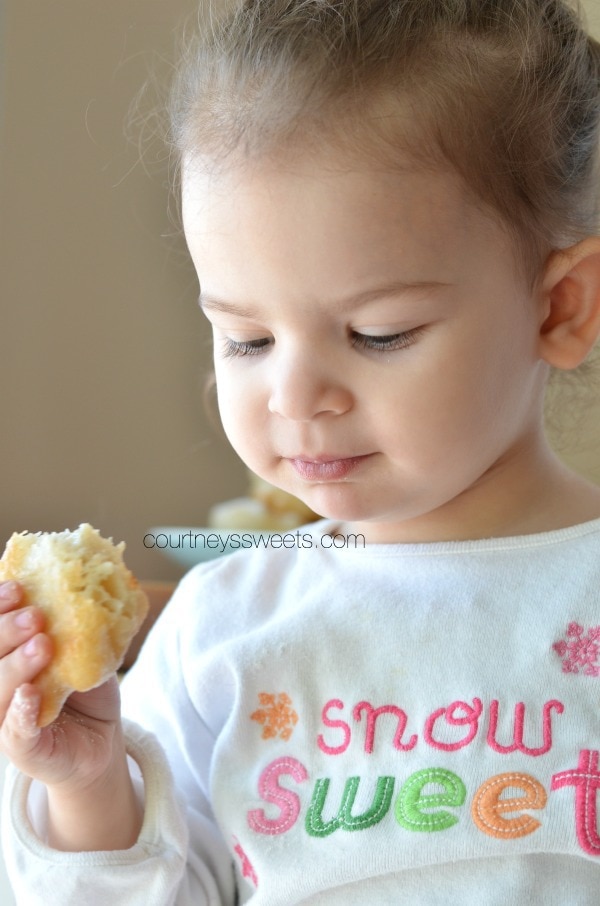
x,y
337,503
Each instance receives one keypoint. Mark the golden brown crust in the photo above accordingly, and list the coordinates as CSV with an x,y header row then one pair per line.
x,y
92,604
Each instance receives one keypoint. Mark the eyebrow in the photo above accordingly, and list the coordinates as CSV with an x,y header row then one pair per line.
x,y
209,302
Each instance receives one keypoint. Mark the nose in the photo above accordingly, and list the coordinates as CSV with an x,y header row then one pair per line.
x,y
304,385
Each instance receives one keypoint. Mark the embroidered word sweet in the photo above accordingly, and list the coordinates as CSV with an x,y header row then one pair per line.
x,y
423,799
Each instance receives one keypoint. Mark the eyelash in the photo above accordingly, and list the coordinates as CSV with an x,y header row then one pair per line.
x,y
232,348
386,344
390,343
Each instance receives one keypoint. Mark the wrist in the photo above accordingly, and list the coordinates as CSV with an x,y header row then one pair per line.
x,y
102,814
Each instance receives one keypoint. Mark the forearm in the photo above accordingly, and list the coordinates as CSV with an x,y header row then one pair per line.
x,y
104,816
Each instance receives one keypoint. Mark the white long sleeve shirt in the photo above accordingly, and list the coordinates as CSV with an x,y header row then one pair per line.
x,y
403,723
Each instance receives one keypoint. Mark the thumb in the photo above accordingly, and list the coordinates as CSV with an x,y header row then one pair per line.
x,y
20,732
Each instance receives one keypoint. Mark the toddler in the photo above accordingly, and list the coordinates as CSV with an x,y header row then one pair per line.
x,y
392,207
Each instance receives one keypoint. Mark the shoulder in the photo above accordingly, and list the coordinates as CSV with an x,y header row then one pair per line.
x,y
233,594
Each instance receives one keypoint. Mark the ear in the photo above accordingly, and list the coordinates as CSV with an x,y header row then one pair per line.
x,y
571,304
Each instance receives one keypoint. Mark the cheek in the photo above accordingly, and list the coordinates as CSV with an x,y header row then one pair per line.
x,y
472,404
448,403
231,406
241,413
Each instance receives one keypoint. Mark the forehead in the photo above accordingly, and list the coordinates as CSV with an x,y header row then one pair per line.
x,y
315,217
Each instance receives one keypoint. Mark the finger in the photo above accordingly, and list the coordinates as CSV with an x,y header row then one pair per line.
x,y
17,626
11,594
20,725
21,666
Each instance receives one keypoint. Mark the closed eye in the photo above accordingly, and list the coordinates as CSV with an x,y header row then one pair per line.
x,y
232,348
387,343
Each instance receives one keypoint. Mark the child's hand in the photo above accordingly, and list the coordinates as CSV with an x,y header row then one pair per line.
x,y
77,746
81,756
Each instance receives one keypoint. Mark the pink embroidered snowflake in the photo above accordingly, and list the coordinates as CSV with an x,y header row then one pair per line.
x,y
580,651
246,864
277,716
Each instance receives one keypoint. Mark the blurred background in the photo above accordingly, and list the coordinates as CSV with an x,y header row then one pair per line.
x,y
104,351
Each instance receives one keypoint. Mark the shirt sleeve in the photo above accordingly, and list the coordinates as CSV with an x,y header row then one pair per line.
x,y
163,867
180,858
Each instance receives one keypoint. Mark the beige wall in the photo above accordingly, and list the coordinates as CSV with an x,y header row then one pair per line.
x,y
103,349
592,9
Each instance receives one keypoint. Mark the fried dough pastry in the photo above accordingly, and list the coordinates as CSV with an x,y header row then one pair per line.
x,y
266,508
92,605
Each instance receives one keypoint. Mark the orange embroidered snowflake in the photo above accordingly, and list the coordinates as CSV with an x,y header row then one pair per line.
x,y
276,715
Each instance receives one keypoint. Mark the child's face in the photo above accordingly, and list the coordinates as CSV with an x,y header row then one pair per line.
x,y
376,351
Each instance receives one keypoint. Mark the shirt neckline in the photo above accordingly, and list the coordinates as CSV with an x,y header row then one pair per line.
x,y
501,543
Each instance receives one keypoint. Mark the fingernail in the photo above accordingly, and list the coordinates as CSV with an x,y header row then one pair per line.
x,y
24,619
32,647
9,592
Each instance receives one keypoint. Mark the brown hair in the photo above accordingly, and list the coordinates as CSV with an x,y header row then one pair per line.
x,y
506,92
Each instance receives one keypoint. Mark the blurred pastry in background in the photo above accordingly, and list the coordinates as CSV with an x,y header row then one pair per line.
x,y
266,508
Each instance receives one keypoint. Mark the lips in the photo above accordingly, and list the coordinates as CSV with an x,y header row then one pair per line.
x,y
325,468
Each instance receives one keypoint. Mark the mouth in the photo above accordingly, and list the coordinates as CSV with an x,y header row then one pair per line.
x,y
326,468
